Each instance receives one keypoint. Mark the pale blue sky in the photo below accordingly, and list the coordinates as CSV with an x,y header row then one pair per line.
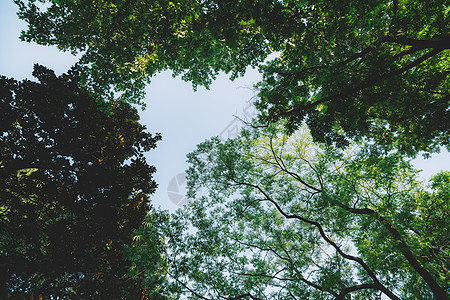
x,y
183,117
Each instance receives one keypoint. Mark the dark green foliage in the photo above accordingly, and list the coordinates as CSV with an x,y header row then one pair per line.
x,y
353,69
350,69
74,184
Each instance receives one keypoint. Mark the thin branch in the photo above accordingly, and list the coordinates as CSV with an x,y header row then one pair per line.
x,y
261,248
248,295
340,64
355,56
402,246
282,166
337,248
265,275
404,249
312,284
188,288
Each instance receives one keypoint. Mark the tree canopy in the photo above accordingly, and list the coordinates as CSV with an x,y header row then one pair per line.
x,y
74,185
281,217
279,212
350,69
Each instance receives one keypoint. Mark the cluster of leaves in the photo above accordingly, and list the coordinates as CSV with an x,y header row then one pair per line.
x,y
350,69
281,217
74,184
149,263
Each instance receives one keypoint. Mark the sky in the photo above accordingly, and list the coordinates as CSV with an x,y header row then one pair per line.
x,y
183,117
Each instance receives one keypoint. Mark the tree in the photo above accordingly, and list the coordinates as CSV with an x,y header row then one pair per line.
x,y
280,217
74,184
147,255
350,69
124,43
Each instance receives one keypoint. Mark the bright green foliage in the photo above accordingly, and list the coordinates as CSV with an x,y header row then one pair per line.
x,y
74,185
280,217
123,43
349,69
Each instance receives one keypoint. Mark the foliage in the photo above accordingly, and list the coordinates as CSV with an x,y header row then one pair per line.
x,y
146,253
354,69
74,184
124,43
350,69
281,217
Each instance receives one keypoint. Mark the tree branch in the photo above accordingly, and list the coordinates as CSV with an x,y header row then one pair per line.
x,y
338,249
404,249
368,82
262,249
188,288
355,288
438,291
325,237
282,166
248,295
442,44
